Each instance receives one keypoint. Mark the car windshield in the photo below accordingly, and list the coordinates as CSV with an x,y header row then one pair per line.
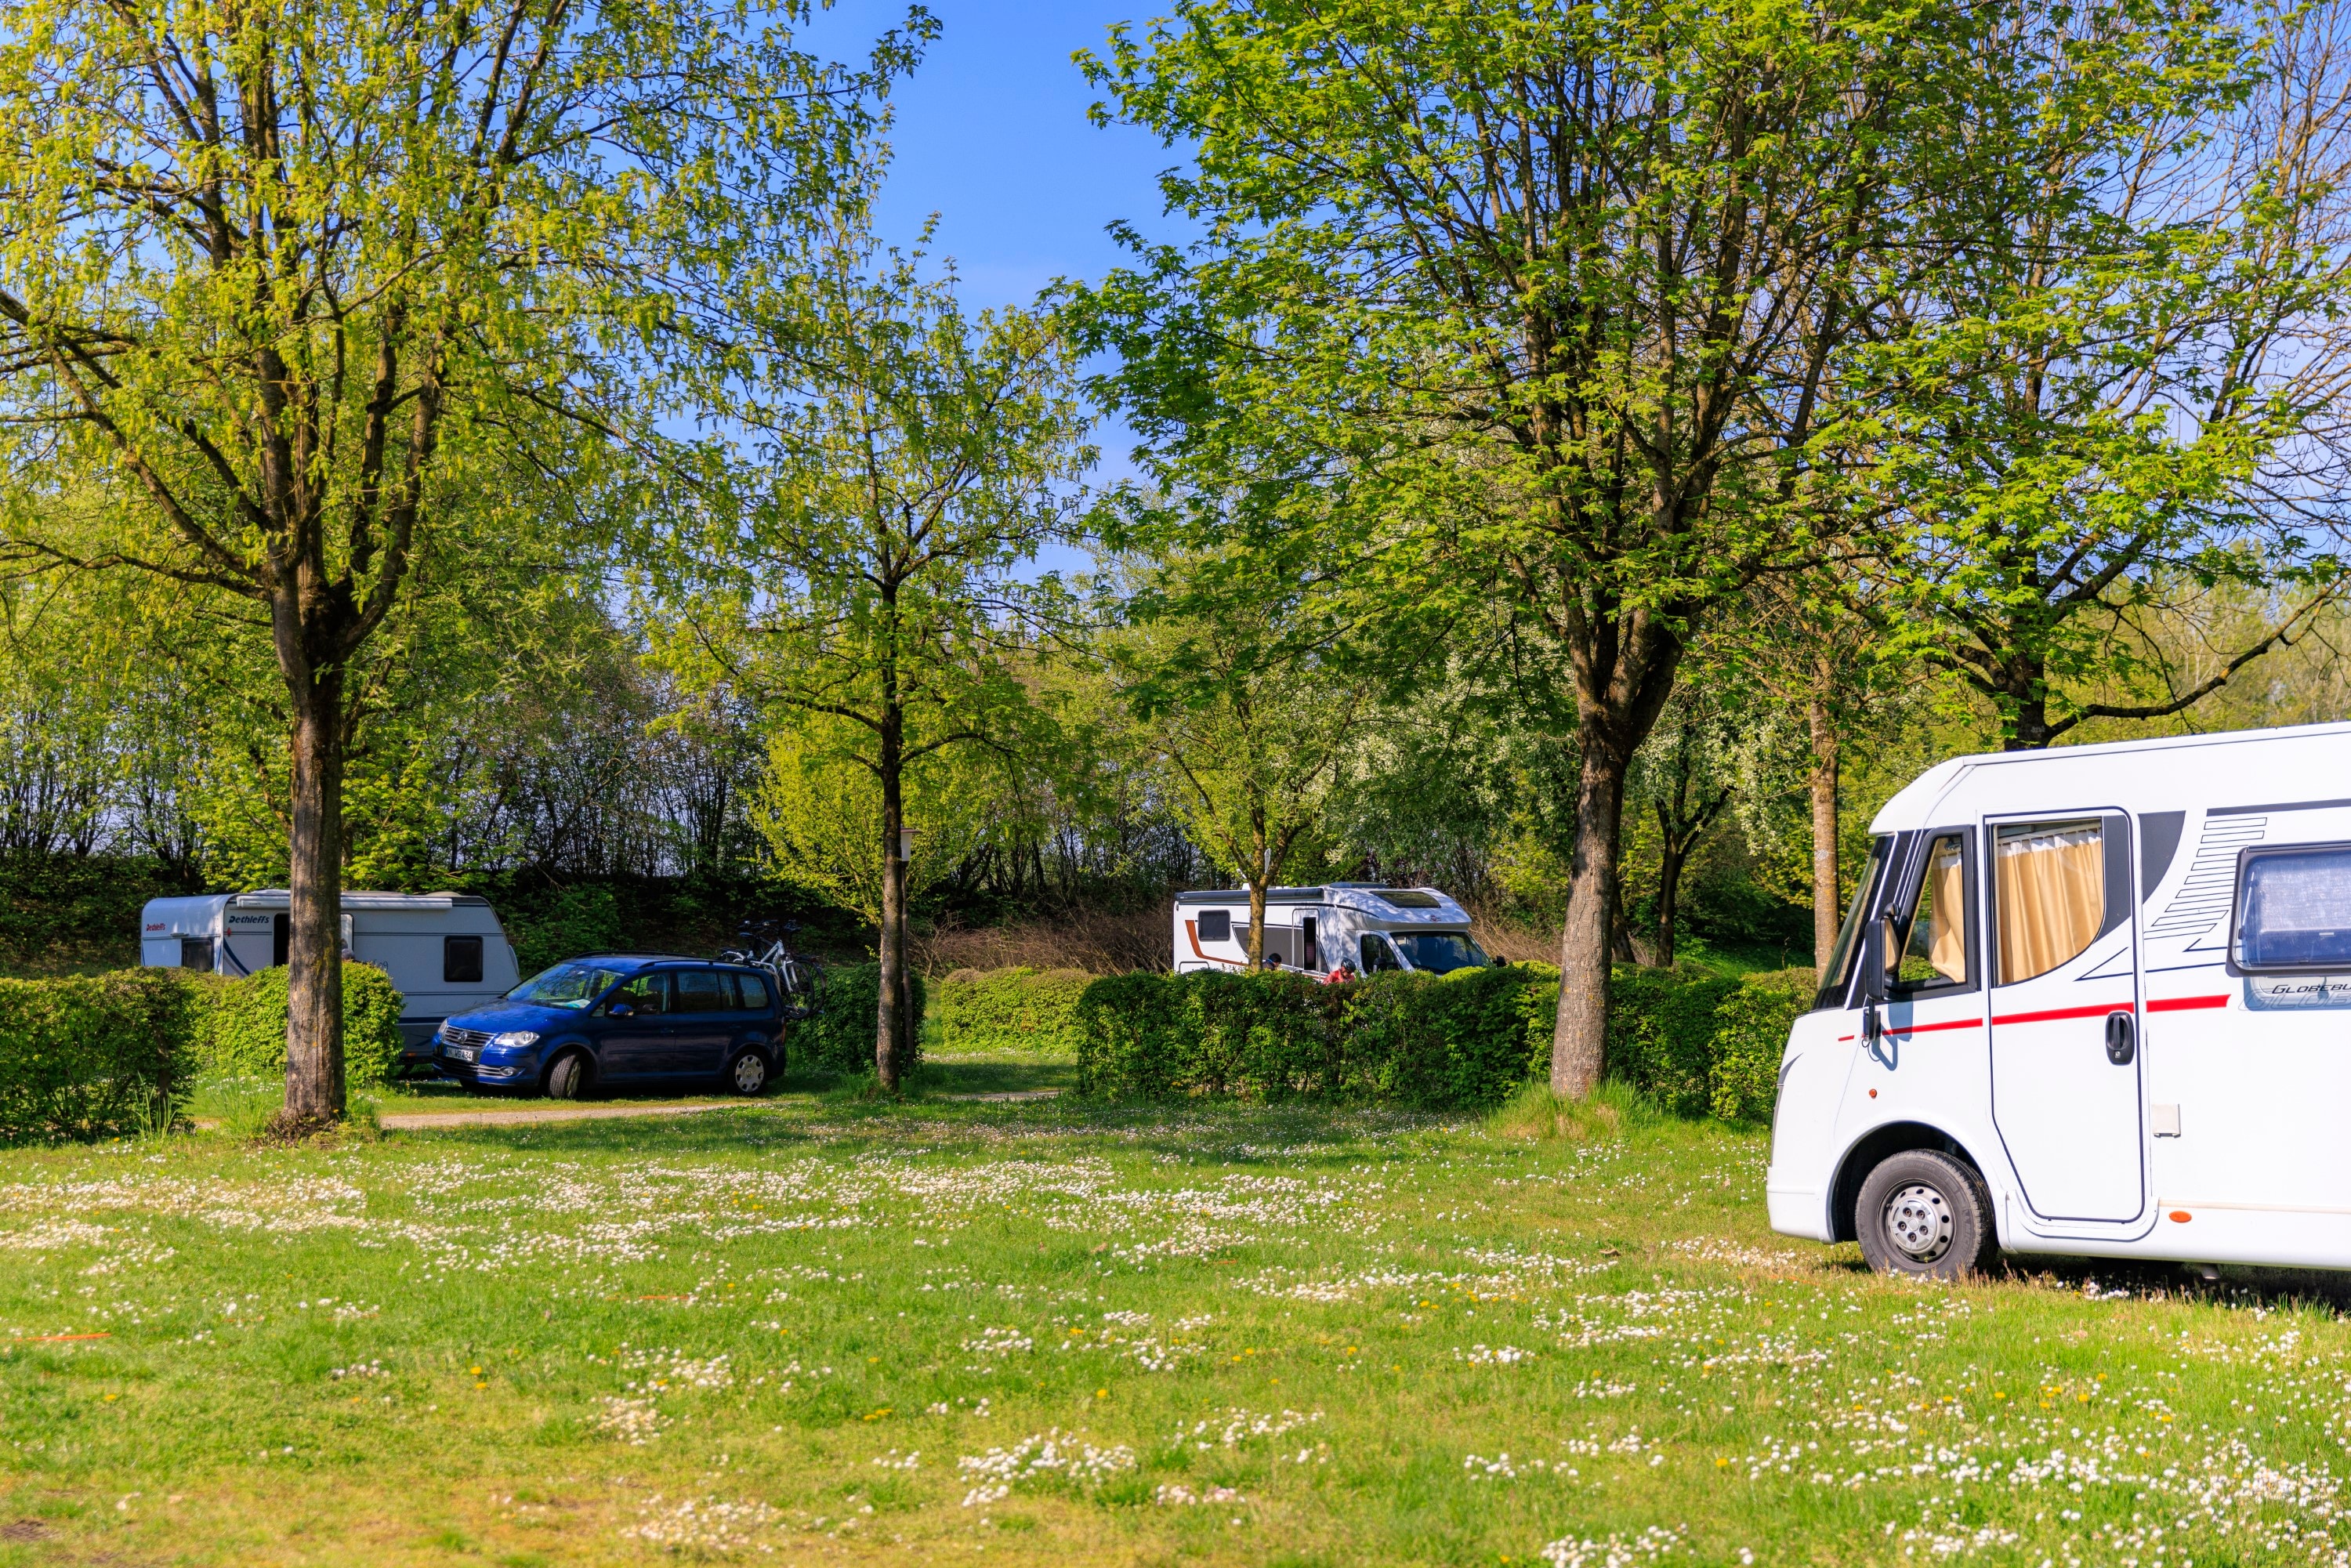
x,y
1438,952
572,986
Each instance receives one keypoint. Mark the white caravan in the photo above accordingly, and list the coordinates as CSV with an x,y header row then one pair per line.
x,y
445,951
2092,1000
1316,929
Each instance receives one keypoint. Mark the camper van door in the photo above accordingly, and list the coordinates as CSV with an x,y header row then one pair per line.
x,y
2064,1012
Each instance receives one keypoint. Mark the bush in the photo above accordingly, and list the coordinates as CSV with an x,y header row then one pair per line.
x,y
1457,1042
562,923
245,1034
95,1056
1751,1033
1015,1009
1691,1044
839,1039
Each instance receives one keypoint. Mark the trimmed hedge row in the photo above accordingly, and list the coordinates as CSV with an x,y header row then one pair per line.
x,y
1697,1045
839,1039
103,1055
1016,1008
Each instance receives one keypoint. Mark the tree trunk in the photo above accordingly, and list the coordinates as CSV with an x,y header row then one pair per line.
x,y
1670,860
1580,1042
1256,917
890,1025
314,975
1827,909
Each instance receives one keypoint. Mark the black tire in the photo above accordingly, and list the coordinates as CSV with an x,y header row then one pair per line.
x,y
1927,1214
569,1076
747,1075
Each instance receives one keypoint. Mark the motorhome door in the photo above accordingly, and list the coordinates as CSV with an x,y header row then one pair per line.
x,y
2064,1013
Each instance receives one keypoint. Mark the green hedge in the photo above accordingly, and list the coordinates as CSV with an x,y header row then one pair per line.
x,y
94,1056
1697,1045
839,1039
245,1034
1018,1008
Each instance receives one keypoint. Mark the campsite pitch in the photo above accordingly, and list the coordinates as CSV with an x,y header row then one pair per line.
x,y
798,1331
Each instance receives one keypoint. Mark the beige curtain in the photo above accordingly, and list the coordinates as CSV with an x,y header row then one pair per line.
x,y
2051,884
1947,931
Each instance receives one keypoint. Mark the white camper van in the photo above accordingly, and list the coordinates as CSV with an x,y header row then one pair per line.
x,y
1365,926
445,951
2093,1001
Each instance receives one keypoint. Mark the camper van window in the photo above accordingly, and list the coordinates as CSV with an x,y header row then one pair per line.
x,y
1216,925
2295,910
196,952
2050,881
571,985
461,960
1377,955
1834,973
1934,949
1439,952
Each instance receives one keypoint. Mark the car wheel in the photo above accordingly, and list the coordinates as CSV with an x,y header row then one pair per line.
x,y
1926,1214
570,1077
747,1075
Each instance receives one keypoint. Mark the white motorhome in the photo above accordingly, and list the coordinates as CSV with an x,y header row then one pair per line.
x,y
445,951
1368,927
2092,1000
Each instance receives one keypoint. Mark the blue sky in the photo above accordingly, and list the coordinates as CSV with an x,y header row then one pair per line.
x,y
992,136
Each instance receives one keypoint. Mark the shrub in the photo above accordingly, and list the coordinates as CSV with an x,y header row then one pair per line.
x,y
564,923
94,1056
246,1032
1689,1044
1751,1032
1014,1008
839,1039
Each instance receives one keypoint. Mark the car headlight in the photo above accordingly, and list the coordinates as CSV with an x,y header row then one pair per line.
x,y
515,1039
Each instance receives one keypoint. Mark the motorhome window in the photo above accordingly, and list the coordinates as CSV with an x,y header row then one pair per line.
x,y
196,952
2294,910
751,994
1216,925
1310,950
1408,898
1377,955
1838,969
572,986
461,960
1439,952
2050,885
1934,936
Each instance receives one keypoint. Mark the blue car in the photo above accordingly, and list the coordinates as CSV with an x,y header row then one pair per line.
x,y
621,1021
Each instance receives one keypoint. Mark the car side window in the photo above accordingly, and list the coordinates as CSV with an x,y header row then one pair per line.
x,y
645,993
750,993
1926,945
2049,882
704,991
1376,953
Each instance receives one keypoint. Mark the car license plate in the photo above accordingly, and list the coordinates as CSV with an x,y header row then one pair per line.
x,y
465,1053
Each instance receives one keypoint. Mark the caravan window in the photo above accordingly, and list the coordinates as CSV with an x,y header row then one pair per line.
x,y
1216,925
2294,909
461,960
196,952
2051,886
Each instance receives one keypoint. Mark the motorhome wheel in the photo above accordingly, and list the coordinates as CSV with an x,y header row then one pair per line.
x,y
1925,1213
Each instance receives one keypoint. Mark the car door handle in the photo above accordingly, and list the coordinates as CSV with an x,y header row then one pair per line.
x,y
2122,1042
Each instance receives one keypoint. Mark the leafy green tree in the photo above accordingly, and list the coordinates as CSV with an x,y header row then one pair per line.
x,y
2131,389
869,589
1568,289
298,271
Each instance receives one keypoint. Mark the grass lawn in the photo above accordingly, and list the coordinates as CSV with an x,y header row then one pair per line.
x,y
813,1331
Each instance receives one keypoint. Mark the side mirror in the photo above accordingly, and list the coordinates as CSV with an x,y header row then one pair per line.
x,y
620,1011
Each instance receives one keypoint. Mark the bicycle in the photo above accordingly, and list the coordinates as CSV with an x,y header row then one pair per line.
x,y
798,976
